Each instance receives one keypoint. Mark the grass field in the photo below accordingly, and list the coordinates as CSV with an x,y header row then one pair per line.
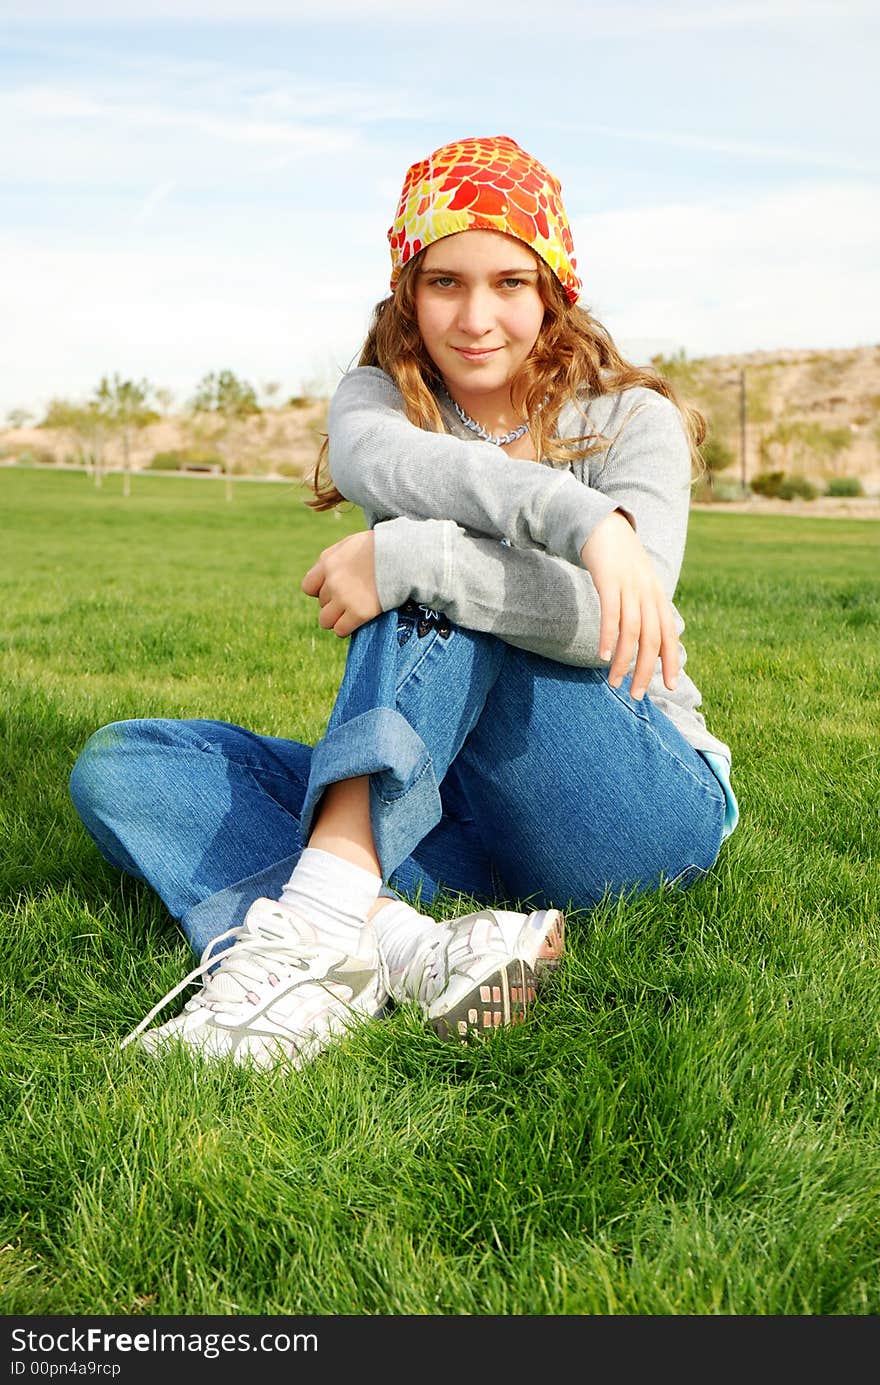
x,y
687,1124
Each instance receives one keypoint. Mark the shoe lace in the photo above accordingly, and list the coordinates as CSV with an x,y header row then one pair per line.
x,y
251,958
428,973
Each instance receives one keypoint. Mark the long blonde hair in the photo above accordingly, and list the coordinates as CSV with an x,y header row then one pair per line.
x,y
574,355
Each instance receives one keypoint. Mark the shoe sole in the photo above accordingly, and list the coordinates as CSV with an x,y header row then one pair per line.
x,y
505,995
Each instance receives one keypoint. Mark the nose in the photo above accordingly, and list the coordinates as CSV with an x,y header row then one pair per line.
x,y
475,317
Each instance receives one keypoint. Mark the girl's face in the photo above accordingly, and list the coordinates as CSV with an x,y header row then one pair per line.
x,y
479,313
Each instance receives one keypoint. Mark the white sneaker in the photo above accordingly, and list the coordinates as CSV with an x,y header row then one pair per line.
x,y
279,994
483,970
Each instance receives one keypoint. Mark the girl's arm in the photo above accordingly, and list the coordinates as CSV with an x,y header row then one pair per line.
x,y
645,474
388,466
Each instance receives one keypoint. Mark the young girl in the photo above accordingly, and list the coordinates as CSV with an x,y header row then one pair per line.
x,y
513,724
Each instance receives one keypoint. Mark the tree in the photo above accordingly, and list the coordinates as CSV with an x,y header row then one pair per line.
x,y
231,401
19,418
223,393
677,370
86,428
124,405
164,398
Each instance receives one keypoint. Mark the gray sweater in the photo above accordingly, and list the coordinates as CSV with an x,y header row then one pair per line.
x,y
495,541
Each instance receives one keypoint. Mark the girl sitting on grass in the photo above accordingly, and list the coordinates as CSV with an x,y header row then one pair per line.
x,y
514,724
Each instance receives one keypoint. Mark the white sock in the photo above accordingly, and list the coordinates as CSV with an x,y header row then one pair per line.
x,y
333,894
401,931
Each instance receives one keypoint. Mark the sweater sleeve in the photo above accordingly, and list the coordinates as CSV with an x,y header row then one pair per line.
x,y
524,596
391,468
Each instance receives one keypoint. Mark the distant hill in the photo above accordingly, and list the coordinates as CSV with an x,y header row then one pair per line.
x,y
808,413
814,414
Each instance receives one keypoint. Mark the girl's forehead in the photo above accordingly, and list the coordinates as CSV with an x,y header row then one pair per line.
x,y
479,247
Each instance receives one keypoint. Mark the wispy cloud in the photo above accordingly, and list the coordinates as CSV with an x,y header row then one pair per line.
x,y
153,199
751,150
43,105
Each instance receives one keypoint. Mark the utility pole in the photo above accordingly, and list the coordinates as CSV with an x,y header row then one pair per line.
x,y
742,429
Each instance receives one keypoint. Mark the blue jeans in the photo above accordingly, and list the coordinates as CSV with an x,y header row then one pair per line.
x,y
494,773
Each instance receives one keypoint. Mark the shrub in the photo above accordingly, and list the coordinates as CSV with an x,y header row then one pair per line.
x,y
37,456
716,455
709,490
844,485
767,482
727,491
165,461
797,488
184,457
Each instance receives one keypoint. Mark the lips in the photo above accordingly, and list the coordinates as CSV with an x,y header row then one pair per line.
x,y
472,354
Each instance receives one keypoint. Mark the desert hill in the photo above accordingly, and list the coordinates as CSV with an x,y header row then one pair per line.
x,y
814,414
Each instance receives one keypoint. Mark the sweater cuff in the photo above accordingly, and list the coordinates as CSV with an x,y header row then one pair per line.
x,y
410,560
571,516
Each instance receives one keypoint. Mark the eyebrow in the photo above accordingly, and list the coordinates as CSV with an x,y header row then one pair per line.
x,y
501,273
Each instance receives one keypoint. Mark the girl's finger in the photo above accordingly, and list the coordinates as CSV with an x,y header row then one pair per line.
x,y
669,648
329,614
347,624
609,621
630,627
649,645
313,579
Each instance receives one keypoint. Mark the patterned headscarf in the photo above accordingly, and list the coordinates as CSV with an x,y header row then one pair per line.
x,y
487,184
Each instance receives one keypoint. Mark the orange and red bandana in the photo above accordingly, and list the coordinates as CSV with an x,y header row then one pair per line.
x,y
485,184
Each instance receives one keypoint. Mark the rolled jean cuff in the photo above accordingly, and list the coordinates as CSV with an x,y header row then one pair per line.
x,y
404,795
227,908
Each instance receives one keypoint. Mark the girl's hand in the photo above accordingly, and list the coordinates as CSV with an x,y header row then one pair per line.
x,y
635,610
344,580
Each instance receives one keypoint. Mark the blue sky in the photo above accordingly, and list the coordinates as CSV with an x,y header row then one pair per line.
x,y
190,186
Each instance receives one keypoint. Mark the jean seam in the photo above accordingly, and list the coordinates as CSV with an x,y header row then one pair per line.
x,y
206,747
203,747
713,791
646,721
264,773
257,767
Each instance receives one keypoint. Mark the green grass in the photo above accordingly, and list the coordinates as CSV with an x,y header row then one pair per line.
x,y
687,1124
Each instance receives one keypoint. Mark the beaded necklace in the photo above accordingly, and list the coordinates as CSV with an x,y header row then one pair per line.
x,y
483,433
